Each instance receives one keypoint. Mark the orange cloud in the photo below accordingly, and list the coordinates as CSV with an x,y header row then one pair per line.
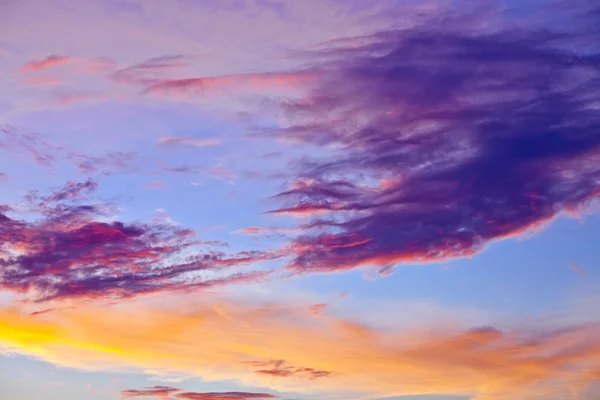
x,y
486,363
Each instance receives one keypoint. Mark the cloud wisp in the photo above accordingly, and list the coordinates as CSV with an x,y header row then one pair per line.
x,y
445,138
526,359
175,393
72,250
187,141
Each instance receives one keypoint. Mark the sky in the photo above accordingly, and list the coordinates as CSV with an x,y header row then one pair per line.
x,y
299,199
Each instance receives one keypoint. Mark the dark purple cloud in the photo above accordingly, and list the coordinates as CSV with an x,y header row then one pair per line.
x,y
446,137
166,391
153,391
71,252
277,368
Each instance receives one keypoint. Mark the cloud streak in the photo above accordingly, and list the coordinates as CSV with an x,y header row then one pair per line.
x,y
186,141
48,62
70,252
445,138
166,391
523,360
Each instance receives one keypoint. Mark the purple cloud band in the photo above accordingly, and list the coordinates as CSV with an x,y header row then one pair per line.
x,y
447,138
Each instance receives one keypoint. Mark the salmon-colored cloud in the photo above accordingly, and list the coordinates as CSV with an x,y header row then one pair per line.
x,y
255,82
166,391
48,62
244,337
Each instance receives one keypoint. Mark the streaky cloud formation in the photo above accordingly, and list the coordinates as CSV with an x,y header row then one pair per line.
x,y
223,396
467,136
187,141
175,393
154,391
69,252
186,87
524,359
150,72
48,62
36,148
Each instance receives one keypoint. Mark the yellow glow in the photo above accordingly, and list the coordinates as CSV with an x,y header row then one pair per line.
x,y
215,341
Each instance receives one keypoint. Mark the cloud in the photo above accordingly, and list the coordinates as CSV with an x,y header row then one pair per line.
x,y
154,391
278,369
33,146
223,396
69,252
48,62
41,81
169,140
186,87
47,155
156,185
151,71
468,135
166,391
220,339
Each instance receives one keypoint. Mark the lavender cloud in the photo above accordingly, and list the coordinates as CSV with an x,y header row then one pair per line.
x,y
154,391
446,138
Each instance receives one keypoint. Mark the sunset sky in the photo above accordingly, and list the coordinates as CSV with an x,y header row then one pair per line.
x,y
299,200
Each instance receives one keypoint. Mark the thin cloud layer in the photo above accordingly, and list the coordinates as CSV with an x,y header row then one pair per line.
x,y
216,339
48,62
445,138
186,87
174,393
187,141
154,391
279,369
71,251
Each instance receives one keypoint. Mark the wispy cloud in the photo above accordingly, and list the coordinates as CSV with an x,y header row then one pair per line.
x,y
69,252
48,62
256,83
187,141
522,360
476,135
166,391
154,391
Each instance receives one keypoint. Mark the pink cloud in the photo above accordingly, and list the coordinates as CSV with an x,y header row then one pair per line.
x,y
41,81
155,185
48,62
196,86
577,269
